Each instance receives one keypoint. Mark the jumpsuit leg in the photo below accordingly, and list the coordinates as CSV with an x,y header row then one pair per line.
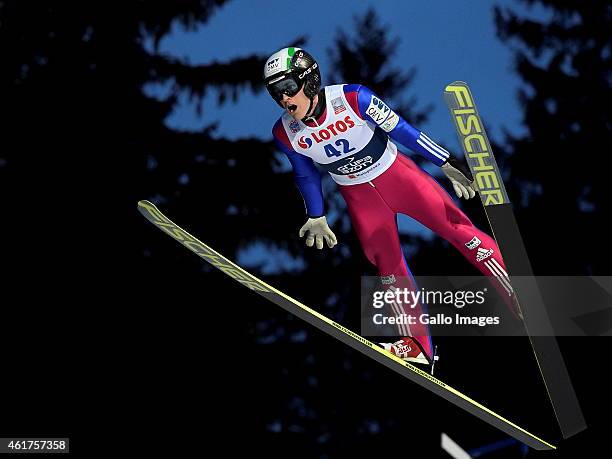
x,y
376,227
411,191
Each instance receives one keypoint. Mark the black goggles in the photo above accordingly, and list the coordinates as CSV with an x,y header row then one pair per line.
x,y
287,85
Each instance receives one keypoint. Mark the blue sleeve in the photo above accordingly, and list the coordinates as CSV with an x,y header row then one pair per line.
x,y
307,178
373,109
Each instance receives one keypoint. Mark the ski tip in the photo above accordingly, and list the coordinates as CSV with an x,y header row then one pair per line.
x,y
146,208
144,204
455,84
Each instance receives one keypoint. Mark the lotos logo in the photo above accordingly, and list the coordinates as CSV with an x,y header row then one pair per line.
x,y
332,130
305,142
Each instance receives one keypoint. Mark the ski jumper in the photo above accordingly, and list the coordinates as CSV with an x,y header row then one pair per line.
x,y
354,143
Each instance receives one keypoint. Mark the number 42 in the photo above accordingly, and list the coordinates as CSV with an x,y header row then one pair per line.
x,y
331,151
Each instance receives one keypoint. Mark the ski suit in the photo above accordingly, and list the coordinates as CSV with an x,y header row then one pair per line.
x,y
355,142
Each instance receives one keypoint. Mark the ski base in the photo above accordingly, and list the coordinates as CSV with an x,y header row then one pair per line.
x,y
479,155
341,333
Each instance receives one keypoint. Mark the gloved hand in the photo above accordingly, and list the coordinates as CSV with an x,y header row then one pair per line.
x,y
318,229
464,187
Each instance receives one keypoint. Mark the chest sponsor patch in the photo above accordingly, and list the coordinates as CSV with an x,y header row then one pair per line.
x,y
355,165
327,132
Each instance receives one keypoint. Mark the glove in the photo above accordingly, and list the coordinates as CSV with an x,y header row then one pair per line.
x,y
318,229
464,186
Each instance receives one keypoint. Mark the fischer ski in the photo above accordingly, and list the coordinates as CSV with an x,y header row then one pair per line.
x,y
341,333
497,206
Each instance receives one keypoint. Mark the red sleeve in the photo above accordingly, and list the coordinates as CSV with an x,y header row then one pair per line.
x,y
351,92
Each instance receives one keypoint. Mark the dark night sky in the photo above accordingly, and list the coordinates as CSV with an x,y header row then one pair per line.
x,y
447,41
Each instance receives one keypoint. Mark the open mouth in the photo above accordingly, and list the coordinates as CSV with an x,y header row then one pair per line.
x,y
291,108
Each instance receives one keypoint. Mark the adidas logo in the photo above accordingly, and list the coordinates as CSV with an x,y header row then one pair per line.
x,y
483,254
475,242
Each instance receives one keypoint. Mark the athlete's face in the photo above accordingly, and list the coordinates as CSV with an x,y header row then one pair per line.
x,y
297,105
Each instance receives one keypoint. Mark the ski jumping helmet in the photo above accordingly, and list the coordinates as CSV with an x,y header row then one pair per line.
x,y
290,69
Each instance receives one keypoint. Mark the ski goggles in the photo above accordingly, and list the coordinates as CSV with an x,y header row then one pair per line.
x,y
285,85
